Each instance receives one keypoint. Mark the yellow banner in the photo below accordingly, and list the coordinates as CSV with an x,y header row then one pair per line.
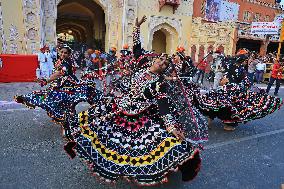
x,y
282,32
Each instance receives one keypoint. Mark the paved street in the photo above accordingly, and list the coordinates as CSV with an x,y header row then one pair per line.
x,y
32,155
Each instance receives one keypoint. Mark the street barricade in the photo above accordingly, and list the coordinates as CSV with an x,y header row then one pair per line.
x,y
18,68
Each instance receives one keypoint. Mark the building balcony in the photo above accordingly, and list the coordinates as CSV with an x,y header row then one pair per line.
x,y
174,3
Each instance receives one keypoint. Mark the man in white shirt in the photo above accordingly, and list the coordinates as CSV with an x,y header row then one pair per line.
x,y
260,70
43,65
50,64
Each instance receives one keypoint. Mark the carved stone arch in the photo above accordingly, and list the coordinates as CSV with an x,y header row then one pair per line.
x,y
172,22
32,34
172,36
30,18
85,10
102,3
93,15
80,31
131,14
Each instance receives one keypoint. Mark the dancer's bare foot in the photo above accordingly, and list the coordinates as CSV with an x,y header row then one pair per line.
x,y
229,128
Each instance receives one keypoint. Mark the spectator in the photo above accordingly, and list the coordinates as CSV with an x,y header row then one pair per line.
x,y
43,65
260,70
111,59
50,64
252,67
276,75
201,67
125,50
88,61
96,60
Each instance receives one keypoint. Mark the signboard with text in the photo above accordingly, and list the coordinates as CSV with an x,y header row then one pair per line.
x,y
265,28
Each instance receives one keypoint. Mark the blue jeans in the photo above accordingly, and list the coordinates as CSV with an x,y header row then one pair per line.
x,y
251,78
259,75
271,81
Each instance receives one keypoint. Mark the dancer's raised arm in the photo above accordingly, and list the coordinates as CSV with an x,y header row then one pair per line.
x,y
137,49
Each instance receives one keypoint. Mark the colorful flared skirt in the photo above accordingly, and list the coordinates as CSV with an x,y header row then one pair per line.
x,y
135,147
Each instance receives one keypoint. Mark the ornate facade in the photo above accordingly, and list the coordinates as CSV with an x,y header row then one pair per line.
x,y
26,25
211,36
249,11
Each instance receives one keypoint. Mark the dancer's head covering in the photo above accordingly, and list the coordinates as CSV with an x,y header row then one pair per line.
x,y
180,49
69,50
243,51
125,47
112,49
43,48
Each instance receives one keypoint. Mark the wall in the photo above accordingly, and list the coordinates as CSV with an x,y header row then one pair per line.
x,y
264,8
178,24
199,8
2,37
34,23
20,26
212,34
20,31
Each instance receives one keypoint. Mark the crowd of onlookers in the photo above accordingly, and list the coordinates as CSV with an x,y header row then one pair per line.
x,y
256,67
94,60
85,59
